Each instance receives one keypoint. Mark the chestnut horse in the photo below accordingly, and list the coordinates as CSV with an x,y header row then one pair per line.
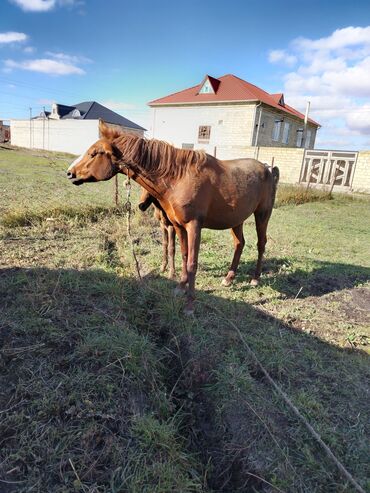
x,y
168,231
194,189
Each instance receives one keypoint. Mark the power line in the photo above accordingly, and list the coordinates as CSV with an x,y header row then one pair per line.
x,y
37,87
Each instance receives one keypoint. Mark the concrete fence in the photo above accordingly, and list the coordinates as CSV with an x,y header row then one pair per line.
x,y
73,136
290,162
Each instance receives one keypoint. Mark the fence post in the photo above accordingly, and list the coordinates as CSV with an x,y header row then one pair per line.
x,y
334,178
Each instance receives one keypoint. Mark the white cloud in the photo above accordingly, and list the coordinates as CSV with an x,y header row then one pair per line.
x,y
118,105
35,5
12,37
276,56
45,5
29,49
341,38
359,119
44,65
333,73
63,57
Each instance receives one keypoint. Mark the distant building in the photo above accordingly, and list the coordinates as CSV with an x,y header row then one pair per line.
x,y
68,128
4,132
229,112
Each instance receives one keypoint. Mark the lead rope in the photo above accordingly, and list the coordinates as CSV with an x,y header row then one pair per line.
x,y
128,208
276,387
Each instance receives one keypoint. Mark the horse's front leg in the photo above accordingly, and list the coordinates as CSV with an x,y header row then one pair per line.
x,y
239,242
183,239
194,232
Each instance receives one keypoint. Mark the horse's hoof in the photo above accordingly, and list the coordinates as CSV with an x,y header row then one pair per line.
x,y
226,282
254,282
189,312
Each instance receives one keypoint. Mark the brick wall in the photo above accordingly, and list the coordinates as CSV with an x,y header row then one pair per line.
x,y
267,121
289,160
231,124
361,177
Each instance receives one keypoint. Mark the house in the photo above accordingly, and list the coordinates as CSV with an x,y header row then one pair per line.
x,y
228,112
68,128
4,132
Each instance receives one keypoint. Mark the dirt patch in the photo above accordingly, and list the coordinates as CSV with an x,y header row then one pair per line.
x,y
352,304
358,306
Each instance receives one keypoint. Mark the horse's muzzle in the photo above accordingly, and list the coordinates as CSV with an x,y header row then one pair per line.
x,y
76,181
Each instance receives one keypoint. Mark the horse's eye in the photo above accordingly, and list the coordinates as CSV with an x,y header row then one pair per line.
x,y
93,154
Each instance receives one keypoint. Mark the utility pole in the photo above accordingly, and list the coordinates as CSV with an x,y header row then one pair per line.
x,y
305,122
43,129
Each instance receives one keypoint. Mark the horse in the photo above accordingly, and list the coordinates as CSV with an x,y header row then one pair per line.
x,y
168,231
196,190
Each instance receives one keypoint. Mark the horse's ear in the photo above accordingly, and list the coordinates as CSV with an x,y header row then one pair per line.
x,y
107,132
104,129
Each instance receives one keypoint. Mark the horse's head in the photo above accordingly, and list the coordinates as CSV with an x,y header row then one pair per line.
x,y
100,161
145,200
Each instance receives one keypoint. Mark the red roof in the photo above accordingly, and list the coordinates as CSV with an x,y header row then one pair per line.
x,y
230,88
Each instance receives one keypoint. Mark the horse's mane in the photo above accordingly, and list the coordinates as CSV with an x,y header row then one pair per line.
x,y
157,157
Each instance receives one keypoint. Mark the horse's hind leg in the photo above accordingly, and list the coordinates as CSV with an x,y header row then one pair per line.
x,y
164,247
262,219
183,239
171,250
239,242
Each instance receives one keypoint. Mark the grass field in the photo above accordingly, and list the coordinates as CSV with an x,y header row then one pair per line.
x,y
106,387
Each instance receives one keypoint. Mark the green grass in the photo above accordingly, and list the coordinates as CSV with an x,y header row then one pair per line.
x,y
105,386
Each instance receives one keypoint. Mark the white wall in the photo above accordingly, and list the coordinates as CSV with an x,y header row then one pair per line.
x,y
231,124
74,136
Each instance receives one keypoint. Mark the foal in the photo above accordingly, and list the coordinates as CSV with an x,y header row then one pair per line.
x,y
168,231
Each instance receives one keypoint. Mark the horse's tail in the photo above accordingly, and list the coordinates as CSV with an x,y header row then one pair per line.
x,y
275,176
275,180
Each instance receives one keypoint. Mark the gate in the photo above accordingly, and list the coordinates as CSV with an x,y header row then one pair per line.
x,y
328,168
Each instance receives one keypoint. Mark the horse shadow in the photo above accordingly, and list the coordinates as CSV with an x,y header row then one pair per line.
x,y
279,273
61,324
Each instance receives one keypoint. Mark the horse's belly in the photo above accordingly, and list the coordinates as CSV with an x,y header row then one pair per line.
x,y
227,218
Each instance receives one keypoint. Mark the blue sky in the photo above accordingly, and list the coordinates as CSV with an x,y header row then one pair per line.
x,y
124,53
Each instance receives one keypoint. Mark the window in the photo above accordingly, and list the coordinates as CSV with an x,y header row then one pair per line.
x,y
206,88
204,133
187,146
308,139
276,131
286,133
299,137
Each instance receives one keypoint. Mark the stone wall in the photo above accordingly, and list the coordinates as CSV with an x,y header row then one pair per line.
x,y
289,160
231,124
267,123
361,177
